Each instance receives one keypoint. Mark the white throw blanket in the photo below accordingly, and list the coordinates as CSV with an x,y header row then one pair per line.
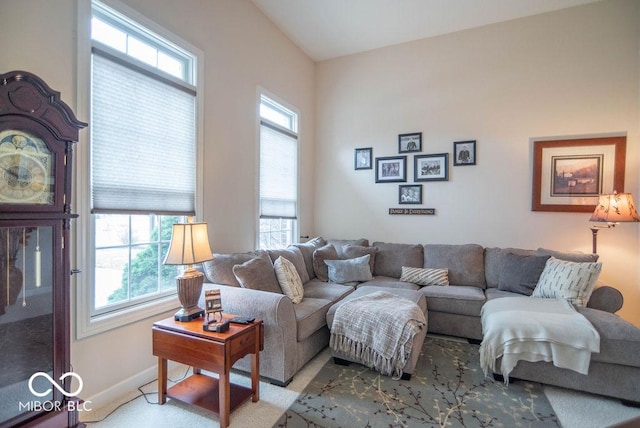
x,y
377,330
535,329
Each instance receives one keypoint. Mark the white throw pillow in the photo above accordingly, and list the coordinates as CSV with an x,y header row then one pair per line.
x,y
289,279
350,270
568,280
426,276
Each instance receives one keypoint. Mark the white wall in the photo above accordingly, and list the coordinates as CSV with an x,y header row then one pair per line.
x,y
242,50
572,72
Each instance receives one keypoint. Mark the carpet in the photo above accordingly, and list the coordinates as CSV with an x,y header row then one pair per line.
x,y
448,389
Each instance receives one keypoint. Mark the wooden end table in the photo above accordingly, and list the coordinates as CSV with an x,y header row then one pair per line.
x,y
187,343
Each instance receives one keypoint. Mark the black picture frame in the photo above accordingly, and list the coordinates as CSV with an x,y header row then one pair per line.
x,y
391,169
410,194
433,167
362,158
464,153
409,143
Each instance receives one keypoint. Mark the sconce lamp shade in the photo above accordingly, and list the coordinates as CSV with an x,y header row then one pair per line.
x,y
615,208
189,244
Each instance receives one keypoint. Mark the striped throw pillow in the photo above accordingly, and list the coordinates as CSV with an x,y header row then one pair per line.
x,y
425,276
568,280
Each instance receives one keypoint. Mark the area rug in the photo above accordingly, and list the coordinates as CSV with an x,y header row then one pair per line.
x,y
448,389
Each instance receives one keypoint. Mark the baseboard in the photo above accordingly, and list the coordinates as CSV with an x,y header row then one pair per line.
x,y
105,401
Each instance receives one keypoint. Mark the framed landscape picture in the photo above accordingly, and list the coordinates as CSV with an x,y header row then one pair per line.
x,y
391,169
464,153
408,143
363,158
410,194
431,167
569,175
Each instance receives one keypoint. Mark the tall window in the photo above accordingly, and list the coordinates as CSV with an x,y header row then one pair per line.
x,y
142,157
278,174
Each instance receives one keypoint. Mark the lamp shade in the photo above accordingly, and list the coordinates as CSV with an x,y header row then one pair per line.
x,y
189,244
615,208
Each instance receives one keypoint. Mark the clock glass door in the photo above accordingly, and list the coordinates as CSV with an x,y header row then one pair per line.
x,y
26,318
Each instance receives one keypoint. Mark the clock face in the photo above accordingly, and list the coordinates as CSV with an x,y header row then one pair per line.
x,y
26,169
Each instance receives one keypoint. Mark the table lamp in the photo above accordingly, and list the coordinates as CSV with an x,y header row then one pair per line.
x,y
189,245
613,209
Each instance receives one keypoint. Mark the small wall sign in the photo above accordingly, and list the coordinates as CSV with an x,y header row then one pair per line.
x,y
412,211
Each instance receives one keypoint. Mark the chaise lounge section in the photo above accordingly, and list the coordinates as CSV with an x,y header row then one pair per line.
x,y
294,333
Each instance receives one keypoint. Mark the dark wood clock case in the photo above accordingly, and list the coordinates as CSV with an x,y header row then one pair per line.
x,y
37,135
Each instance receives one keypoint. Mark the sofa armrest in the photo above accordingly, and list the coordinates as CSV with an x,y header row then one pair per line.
x,y
606,299
279,358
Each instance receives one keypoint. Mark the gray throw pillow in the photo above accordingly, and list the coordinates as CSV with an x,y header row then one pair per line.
x,y
307,249
351,270
340,243
294,255
520,273
257,274
328,252
220,269
352,251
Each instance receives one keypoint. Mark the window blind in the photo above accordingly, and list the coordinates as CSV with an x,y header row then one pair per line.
x,y
278,172
143,151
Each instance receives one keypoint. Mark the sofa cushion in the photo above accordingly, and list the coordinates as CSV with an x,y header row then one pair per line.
x,y
320,268
425,276
388,282
569,256
257,274
340,243
568,280
520,274
350,251
326,290
294,255
289,279
391,257
465,262
458,299
350,270
307,249
311,316
219,270
494,259
619,339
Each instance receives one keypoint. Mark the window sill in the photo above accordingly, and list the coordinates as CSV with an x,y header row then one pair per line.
x,y
89,326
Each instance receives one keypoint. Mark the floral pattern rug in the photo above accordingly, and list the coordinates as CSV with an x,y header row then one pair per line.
x,y
448,389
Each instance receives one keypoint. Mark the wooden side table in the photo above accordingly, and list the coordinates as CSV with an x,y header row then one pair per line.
x,y
187,343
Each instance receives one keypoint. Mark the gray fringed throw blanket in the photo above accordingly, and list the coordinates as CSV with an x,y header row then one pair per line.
x,y
377,330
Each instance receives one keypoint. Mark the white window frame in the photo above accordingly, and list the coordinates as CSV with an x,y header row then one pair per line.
x,y
260,93
82,229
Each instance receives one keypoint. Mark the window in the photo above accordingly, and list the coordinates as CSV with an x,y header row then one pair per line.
x,y
278,174
142,164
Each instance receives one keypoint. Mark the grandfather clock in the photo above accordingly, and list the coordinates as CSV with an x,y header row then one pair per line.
x,y
37,134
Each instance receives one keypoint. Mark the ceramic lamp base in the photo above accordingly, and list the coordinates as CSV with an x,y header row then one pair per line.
x,y
189,289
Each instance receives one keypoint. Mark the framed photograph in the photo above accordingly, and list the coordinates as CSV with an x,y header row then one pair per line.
x,y
431,167
410,194
464,153
408,143
568,175
391,169
363,158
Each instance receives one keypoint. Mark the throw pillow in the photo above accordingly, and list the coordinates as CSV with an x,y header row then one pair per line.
x,y
307,249
568,280
289,280
350,251
328,252
257,274
520,274
350,270
294,255
219,270
427,276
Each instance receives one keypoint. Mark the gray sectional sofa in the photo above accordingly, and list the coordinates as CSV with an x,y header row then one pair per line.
x,y
296,333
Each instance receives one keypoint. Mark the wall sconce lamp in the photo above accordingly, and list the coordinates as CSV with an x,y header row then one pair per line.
x,y
189,245
613,209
